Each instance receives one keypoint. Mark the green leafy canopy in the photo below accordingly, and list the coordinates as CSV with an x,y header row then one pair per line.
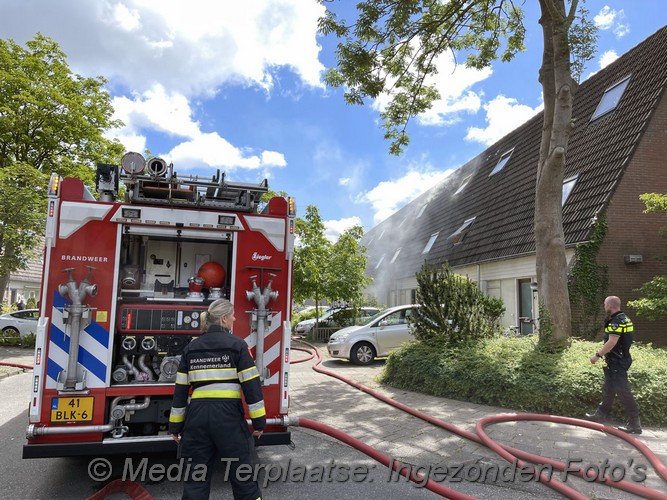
x,y
394,47
51,120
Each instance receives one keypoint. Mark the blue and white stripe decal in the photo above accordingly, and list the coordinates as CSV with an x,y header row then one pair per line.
x,y
93,348
272,353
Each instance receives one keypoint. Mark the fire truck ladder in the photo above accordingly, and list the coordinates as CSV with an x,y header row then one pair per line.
x,y
159,187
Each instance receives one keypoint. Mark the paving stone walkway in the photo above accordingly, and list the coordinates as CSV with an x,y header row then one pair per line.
x,y
413,441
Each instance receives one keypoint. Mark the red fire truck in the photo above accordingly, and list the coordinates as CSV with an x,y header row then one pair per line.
x,y
123,287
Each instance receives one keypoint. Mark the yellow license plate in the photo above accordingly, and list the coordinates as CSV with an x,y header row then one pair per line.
x,y
72,409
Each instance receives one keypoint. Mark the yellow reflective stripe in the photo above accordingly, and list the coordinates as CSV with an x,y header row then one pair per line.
x,y
212,374
622,328
181,378
248,374
177,415
213,394
256,410
222,390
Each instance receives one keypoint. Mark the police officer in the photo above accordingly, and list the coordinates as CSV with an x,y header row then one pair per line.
x,y
218,367
616,353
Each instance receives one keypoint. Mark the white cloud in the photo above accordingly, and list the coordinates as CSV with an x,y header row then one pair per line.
x,y
334,228
344,181
157,109
124,18
209,149
389,196
621,29
607,58
190,48
503,114
170,113
273,158
605,18
453,83
612,19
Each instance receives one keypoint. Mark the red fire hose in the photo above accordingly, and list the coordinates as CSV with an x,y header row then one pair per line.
x,y
380,457
511,454
15,365
301,360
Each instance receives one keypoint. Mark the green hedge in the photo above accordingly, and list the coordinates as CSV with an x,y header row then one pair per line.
x,y
512,373
27,341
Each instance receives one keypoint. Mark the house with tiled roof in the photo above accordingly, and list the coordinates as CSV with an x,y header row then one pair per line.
x,y
25,283
480,218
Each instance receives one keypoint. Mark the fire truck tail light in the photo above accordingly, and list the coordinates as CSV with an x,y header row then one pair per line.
x,y
292,205
54,184
35,385
38,356
291,227
52,208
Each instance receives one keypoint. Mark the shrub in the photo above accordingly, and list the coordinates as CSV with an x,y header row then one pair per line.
x,y
515,373
28,341
453,309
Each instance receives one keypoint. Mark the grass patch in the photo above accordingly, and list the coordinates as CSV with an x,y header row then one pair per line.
x,y
514,373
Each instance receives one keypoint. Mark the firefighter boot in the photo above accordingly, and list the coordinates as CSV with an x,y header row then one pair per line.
x,y
633,426
597,416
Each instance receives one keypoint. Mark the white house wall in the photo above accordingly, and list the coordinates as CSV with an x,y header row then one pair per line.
x,y
497,278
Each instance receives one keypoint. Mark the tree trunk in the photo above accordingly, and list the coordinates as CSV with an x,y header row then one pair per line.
x,y
558,88
4,281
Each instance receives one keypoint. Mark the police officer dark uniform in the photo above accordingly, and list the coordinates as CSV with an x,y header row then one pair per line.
x,y
618,338
212,426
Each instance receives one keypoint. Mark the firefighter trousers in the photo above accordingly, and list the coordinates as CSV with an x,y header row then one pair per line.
x,y
214,438
616,384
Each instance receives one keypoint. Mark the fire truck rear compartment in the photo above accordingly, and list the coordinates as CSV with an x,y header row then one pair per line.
x,y
116,330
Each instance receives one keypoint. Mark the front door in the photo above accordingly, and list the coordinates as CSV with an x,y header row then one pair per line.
x,y
525,307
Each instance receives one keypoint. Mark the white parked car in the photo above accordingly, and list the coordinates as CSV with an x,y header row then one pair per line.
x,y
384,332
19,323
336,317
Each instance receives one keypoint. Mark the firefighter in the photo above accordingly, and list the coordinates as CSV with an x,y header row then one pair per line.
x,y
212,426
616,353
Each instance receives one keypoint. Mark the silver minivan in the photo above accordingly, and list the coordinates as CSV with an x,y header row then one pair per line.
x,y
385,331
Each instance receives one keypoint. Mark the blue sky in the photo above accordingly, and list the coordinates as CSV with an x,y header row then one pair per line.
x,y
237,86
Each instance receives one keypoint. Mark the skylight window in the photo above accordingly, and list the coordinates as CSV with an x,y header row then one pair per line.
x,y
463,184
457,237
430,243
379,262
422,210
568,185
610,98
502,162
393,259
